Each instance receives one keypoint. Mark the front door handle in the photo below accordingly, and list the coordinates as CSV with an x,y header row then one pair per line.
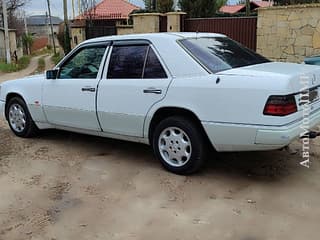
x,y
88,89
152,90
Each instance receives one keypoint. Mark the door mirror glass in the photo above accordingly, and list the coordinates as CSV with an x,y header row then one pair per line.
x,y
52,74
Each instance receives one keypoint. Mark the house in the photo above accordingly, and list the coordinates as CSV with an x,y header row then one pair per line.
x,y
239,8
101,20
39,25
12,42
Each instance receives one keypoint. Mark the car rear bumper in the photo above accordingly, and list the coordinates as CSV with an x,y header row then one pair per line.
x,y
242,137
2,106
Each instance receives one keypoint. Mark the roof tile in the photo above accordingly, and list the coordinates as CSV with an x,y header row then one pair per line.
x,y
111,9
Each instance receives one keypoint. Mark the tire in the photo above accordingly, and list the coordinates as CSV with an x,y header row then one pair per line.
x,y
179,145
19,118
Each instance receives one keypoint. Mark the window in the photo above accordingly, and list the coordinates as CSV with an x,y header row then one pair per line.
x,y
127,61
136,61
221,53
153,68
83,64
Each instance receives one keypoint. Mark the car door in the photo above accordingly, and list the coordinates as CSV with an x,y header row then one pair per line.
x,y
70,99
134,81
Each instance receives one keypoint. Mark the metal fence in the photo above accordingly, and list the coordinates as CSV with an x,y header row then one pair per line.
x,y
241,29
99,28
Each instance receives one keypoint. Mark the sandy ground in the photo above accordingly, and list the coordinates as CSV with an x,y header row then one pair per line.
x,y
63,185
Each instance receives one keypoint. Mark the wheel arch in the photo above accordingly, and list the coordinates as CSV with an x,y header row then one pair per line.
x,y
165,112
10,96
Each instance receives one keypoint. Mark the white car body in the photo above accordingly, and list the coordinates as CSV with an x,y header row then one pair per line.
x,y
229,104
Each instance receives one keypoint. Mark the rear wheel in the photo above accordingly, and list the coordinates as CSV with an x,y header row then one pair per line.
x,y
179,145
19,118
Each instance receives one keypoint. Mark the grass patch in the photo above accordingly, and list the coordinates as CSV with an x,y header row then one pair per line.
x,y
43,51
23,62
56,58
41,65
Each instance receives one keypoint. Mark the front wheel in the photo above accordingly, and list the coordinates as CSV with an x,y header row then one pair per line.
x,y
179,145
19,118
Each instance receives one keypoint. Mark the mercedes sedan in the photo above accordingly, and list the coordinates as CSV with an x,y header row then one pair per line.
x,y
179,92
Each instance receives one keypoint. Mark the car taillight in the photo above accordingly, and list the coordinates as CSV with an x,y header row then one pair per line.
x,y
280,105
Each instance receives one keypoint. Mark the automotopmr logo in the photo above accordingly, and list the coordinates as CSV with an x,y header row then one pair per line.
x,y
305,103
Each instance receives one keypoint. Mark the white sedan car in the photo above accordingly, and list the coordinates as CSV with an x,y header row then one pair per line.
x,y
177,92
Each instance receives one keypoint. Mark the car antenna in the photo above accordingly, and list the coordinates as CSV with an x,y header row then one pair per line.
x,y
197,30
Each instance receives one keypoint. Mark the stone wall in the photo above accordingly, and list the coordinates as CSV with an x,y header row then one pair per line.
x,y
289,33
146,22
78,35
174,21
149,23
124,29
12,43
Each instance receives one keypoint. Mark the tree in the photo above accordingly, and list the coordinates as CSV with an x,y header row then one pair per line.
x,y
165,6
220,3
15,20
199,8
27,41
150,5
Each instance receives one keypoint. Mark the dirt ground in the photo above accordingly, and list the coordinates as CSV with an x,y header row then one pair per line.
x,y
63,185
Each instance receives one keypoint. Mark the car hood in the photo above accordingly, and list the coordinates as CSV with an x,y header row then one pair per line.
x,y
28,79
274,68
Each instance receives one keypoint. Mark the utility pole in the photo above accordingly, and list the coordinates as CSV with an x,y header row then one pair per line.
x,y
6,31
67,47
79,8
26,31
73,13
25,23
52,33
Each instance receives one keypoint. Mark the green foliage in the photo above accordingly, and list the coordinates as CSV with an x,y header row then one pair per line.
x,y
200,8
27,41
150,5
220,3
240,14
23,62
41,65
292,2
64,38
56,58
165,6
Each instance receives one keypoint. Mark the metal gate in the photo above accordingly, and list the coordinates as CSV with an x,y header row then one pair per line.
x,y
241,29
100,28
163,22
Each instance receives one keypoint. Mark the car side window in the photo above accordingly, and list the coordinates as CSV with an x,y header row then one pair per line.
x,y
83,64
127,61
153,68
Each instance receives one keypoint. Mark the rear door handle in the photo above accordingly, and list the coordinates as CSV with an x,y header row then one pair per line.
x,y
152,90
88,89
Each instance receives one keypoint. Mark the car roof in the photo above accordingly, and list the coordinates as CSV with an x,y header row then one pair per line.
x,y
154,36
173,57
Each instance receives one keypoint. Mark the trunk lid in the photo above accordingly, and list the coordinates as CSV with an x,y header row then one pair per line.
x,y
303,81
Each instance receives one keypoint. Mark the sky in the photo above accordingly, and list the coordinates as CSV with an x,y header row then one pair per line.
x,y
39,7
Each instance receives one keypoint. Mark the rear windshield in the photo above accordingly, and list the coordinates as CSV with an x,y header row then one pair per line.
x,y
221,53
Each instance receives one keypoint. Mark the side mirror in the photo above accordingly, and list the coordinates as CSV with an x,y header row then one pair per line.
x,y
52,74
